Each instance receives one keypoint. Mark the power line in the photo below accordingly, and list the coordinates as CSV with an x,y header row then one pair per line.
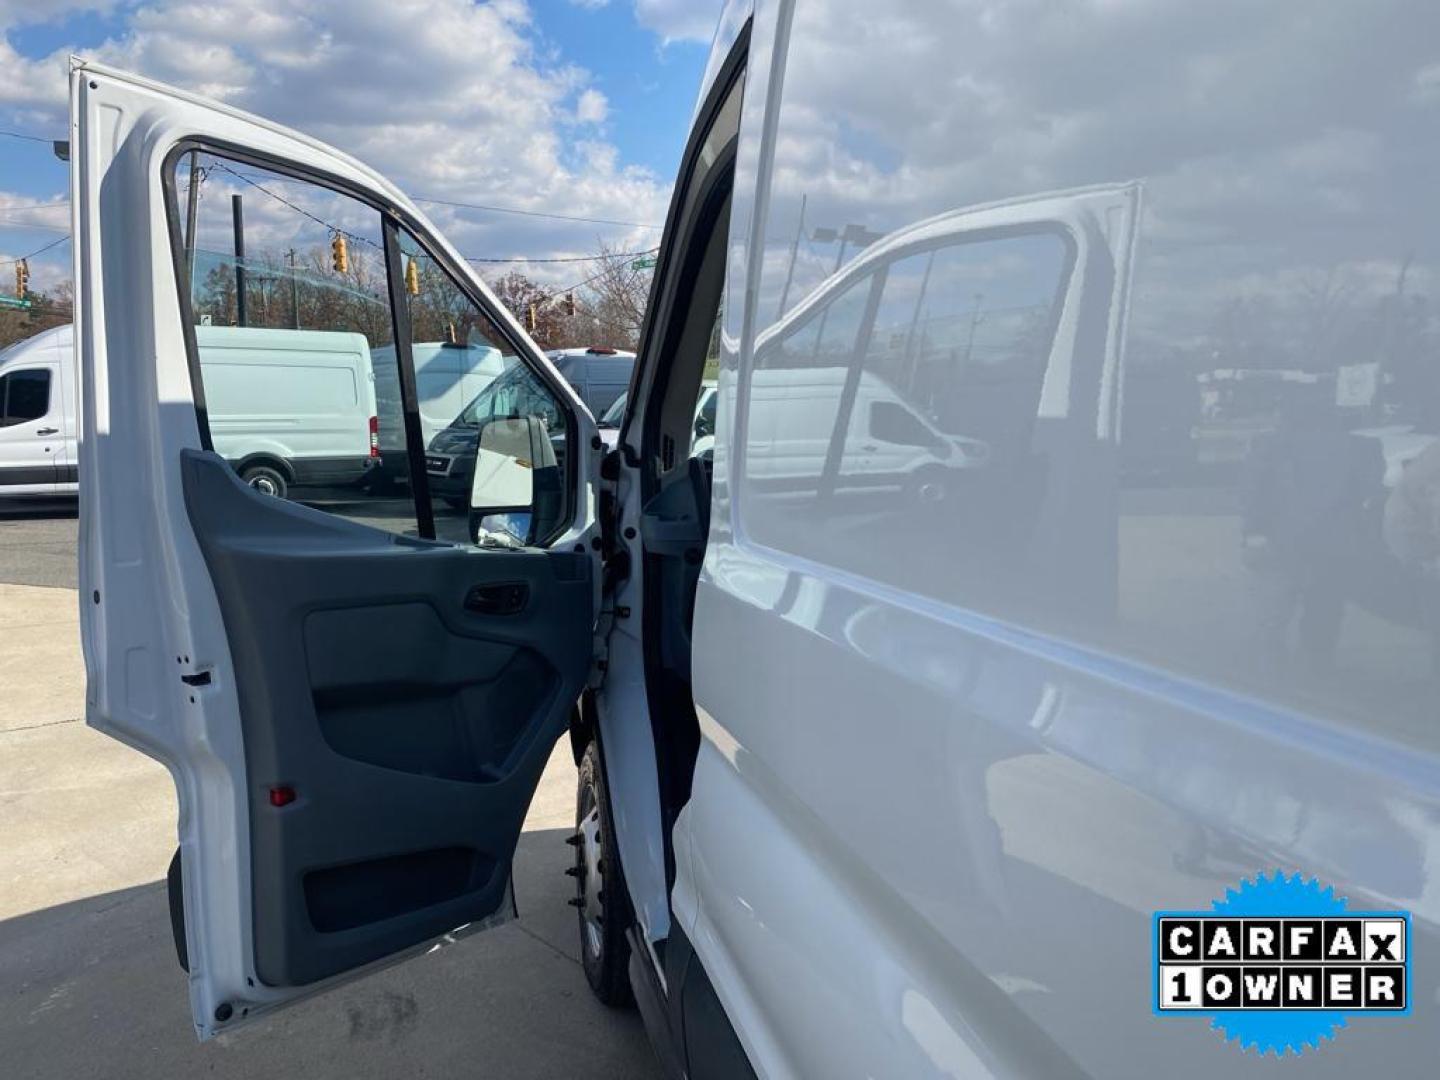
x,y
299,209
468,258
28,138
593,277
37,251
564,258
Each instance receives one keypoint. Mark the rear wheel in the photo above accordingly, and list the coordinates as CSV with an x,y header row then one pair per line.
x,y
600,895
265,479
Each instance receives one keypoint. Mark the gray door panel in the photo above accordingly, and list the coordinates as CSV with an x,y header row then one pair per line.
x,y
411,729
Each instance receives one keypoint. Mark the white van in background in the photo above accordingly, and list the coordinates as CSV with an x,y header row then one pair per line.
x,y
37,415
447,378
287,407
599,373
888,443
291,407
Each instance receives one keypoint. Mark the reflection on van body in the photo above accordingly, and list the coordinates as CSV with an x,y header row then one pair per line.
x,y
1184,624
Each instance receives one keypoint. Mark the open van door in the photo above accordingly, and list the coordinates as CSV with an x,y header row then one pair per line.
x,y
355,719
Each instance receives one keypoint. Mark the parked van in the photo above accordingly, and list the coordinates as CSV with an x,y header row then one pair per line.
x,y
866,787
37,415
599,374
447,378
287,408
291,407
888,443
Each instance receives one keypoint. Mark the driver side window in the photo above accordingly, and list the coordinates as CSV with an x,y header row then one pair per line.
x,y
495,461
339,364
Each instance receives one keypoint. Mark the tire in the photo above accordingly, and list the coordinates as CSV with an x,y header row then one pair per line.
x,y
265,479
929,486
601,899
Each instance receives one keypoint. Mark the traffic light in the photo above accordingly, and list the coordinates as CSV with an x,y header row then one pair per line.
x,y
530,319
412,278
22,278
339,256
570,304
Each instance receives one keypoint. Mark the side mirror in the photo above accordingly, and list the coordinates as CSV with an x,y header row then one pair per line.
x,y
515,494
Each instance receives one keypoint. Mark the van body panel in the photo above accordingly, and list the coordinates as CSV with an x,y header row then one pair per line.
x,y
976,745
1072,550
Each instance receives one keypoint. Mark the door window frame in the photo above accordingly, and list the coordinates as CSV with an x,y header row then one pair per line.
x,y
392,218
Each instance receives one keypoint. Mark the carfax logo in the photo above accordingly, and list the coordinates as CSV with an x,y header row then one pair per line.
x,y
1280,963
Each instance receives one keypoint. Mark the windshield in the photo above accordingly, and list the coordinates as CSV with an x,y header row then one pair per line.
x,y
518,392
614,414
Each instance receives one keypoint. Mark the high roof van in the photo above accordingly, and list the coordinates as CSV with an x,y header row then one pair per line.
x,y
287,408
1022,777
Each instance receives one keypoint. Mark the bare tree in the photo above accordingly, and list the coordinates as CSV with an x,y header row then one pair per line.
x,y
553,327
617,297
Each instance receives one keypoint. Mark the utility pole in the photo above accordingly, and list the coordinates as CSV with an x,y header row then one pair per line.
x,y
192,210
294,291
237,211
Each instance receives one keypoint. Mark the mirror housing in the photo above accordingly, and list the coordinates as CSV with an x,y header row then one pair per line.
x,y
516,494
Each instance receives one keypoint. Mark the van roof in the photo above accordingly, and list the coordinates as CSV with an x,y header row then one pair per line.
x,y
592,350
25,350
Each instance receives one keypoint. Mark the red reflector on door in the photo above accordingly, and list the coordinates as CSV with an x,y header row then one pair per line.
x,y
282,796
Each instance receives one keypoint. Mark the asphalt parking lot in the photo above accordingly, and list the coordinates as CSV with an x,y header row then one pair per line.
x,y
89,984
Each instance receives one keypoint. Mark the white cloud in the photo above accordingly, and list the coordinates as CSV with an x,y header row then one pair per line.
x,y
592,107
48,212
679,20
449,98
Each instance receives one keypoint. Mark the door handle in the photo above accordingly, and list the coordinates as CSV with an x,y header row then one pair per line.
x,y
505,598
48,431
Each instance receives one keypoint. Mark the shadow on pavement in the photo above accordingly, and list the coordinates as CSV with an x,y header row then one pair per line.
x,y
92,988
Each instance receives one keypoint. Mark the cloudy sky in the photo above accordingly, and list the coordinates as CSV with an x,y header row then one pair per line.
x,y
569,107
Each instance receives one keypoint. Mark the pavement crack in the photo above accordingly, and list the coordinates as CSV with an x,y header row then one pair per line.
x,y
553,948
42,724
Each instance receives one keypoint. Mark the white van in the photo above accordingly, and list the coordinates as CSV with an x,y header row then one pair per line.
x,y
287,408
291,407
888,442
37,415
448,377
866,788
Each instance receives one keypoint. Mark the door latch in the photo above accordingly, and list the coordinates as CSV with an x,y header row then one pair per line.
x,y
501,598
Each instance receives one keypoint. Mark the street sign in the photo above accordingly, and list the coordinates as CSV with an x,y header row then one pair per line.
x,y
14,302
645,262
